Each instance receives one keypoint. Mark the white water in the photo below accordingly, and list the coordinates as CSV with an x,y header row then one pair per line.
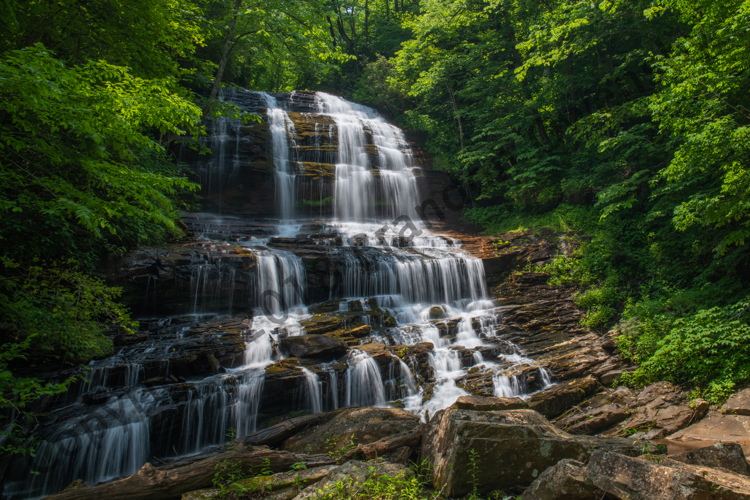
x,y
313,393
387,254
282,142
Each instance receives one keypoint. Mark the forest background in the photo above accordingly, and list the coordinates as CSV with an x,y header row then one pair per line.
x,y
626,124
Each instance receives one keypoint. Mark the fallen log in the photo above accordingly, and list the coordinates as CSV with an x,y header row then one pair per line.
x,y
277,434
151,483
388,444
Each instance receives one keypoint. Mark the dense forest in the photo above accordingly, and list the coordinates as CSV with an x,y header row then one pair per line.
x,y
626,124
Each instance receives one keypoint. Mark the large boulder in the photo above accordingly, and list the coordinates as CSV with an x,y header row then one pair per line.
x,y
638,479
566,480
507,448
612,475
355,426
717,427
502,450
738,403
727,456
557,399
312,346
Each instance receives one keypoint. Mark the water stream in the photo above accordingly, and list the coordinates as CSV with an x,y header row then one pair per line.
x,y
391,272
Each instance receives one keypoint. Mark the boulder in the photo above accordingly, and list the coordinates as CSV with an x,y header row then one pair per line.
x,y
638,479
559,398
361,331
312,345
738,403
480,403
321,324
599,419
728,456
355,426
612,475
566,480
717,427
509,447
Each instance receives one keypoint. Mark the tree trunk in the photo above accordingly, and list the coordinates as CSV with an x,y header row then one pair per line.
x,y
171,481
367,23
224,57
456,116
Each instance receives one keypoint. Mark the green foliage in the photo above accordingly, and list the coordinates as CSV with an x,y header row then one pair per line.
x,y
707,349
51,313
74,154
564,218
383,487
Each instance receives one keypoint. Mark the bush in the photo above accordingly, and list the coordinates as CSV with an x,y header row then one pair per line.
x,y
709,349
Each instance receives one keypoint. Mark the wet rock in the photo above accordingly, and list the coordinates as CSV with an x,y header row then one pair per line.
x,y
638,479
312,345
360,332
727,456
738,403
417,356
357,426
566,480
559,398
325,307
321,324
436,312
480,403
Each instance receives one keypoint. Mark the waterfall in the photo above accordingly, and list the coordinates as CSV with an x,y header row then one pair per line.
x,y
281,280
112,441
313,392
282,142
410,285
364,135
364,385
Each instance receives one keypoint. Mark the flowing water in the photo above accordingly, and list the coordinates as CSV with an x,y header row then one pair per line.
x,y
386,263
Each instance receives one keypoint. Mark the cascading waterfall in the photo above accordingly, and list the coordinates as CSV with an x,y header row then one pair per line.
x,y
282,142
313,394
382,257
364,383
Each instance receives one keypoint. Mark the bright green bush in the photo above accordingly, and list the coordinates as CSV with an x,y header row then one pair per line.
x,y
709,350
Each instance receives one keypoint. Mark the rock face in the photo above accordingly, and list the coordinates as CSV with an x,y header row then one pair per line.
x,y
312,346
612,475
479,403
638,479
358,426
738,403
727,456
717,427
657,411
567,480
511,448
